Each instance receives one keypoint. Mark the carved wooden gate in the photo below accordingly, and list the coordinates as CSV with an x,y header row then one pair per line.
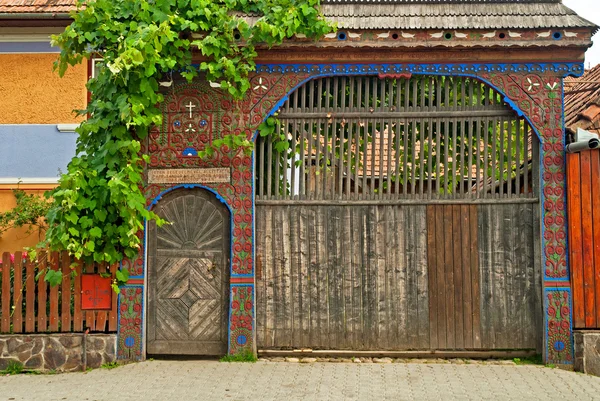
x,y
398,214
188,275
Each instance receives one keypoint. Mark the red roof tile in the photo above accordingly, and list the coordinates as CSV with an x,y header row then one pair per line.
x,y
582,101
36,6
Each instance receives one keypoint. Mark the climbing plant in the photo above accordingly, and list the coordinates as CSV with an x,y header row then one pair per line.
x,y
98,207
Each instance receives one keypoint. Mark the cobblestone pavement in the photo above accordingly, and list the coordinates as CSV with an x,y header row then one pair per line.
x,y
281,381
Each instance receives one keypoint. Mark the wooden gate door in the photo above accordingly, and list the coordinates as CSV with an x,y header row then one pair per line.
x,y
404,216
188,261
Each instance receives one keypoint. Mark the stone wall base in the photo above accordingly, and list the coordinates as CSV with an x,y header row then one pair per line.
x,y
587,352
59,352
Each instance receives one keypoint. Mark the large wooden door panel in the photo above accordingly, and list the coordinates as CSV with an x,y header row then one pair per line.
x,y
188,275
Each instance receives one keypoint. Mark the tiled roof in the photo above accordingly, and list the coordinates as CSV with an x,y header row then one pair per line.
x,y
582,101
36,6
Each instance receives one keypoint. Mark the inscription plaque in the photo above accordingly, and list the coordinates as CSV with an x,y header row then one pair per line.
x,y
189,176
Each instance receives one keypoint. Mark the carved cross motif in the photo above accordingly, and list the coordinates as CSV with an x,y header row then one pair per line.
x,y
191,107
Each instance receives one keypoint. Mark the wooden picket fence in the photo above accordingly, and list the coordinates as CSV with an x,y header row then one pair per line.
x,y
33,306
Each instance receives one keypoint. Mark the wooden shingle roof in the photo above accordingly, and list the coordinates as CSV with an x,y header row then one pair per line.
x,y
400,14
453,15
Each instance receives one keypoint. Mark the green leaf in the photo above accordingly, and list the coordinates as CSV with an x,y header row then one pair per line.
x,y
122,275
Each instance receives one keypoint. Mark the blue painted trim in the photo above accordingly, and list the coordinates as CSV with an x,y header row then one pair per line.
x,y
28,47
566,69
572,342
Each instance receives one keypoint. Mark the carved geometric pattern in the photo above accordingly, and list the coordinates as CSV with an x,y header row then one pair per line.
x,y
189,300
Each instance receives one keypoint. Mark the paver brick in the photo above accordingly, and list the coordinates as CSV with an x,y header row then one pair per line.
x,y
212,380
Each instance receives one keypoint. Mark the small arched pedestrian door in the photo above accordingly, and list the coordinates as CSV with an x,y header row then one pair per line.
x,y
188,275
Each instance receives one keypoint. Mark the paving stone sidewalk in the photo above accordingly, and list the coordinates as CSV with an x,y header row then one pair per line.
x,y
211,380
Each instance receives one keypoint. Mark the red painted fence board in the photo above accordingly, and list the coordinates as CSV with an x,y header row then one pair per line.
x,y
583,192
32,306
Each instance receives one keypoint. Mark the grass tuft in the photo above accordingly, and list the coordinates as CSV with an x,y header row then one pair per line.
x,y
244,356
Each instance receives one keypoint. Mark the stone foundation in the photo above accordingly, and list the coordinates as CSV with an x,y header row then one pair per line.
x,y
59,352
587,352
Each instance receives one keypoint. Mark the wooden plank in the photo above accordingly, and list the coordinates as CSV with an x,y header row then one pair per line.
x,y
595,173
42,315
7,266
54,265
30,296
348,279
65,313
458,276
422,293
77,313
449,267
433,283
575,239
475,270
442,312
467,306
587,237
17,312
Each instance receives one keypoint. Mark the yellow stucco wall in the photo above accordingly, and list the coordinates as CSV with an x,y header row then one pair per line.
x,y
32,93
15,240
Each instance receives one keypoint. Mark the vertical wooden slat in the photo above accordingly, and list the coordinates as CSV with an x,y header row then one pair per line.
x,y
446,156
261,165
30,296
458,276
509,168
113,315
365,190
17,318
42,316
432,251
454,170
587,237
102,315
6,268
357,161
595,173
518,147
77,312
326,166
449,267
90,318
270,162
54,322
466,283
430,147
293,125
65,313
442,311
486,158
501,157
526,159
494,157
